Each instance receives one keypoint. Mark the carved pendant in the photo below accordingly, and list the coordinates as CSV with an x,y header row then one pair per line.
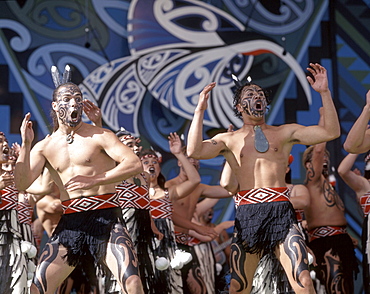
x,y
137,181
69,139
260,142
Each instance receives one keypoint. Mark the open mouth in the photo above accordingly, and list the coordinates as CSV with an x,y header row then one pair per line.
x,y
151,170
74,115
4,157
6,150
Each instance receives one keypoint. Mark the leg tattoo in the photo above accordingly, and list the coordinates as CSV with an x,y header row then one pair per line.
x,y
237,267
49,254
124,253
332,274
295,248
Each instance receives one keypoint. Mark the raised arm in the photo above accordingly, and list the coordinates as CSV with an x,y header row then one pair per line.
x,y
318,154
331,130
358,138
193,177
356,182
93,112
27,170
197,148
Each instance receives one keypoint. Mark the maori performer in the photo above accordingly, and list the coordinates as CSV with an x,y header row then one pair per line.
x,y
13,263
358,141
85,162
169,279
327,233
257,153
360,184
134,200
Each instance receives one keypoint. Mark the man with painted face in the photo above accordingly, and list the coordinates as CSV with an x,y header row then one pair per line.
x,y
327,226
257,154
85,162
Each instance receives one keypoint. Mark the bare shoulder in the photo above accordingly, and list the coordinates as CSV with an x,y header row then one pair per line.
x,y
299,190
228,137
43,144
101,135
289,128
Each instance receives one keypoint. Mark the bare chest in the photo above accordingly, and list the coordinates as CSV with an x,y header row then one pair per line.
x,y
81,153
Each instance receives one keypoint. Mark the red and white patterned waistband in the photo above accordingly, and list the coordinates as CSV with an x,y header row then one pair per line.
x,y
24,213
90,203
326,231
9,198
262,195
182,238
365,203
193,241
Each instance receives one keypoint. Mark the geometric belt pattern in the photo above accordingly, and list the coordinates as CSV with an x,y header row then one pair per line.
x,y
24,212
9,198
326,231
86,203
161,208
182,238
365,203
193,241
261,195
133,196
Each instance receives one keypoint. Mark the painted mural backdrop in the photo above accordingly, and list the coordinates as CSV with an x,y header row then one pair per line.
x,y
144,63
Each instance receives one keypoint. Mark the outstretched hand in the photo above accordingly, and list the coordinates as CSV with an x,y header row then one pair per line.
x,y
204,96
26,130
93,112
319,82
16,149
175,143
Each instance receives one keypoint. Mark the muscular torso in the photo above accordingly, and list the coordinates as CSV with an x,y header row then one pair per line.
x,y
252,168
83,157
326,207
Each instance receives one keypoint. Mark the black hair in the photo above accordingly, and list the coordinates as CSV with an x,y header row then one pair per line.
x,y
123,132
161,180
238,92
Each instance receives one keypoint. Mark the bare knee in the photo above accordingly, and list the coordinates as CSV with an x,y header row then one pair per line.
x,y
305,284
133,285
34,289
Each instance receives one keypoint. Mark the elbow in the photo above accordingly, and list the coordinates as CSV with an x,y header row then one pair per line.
x,y
139,168
21,186
341,171
350,148
230,188
192,153
335,134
